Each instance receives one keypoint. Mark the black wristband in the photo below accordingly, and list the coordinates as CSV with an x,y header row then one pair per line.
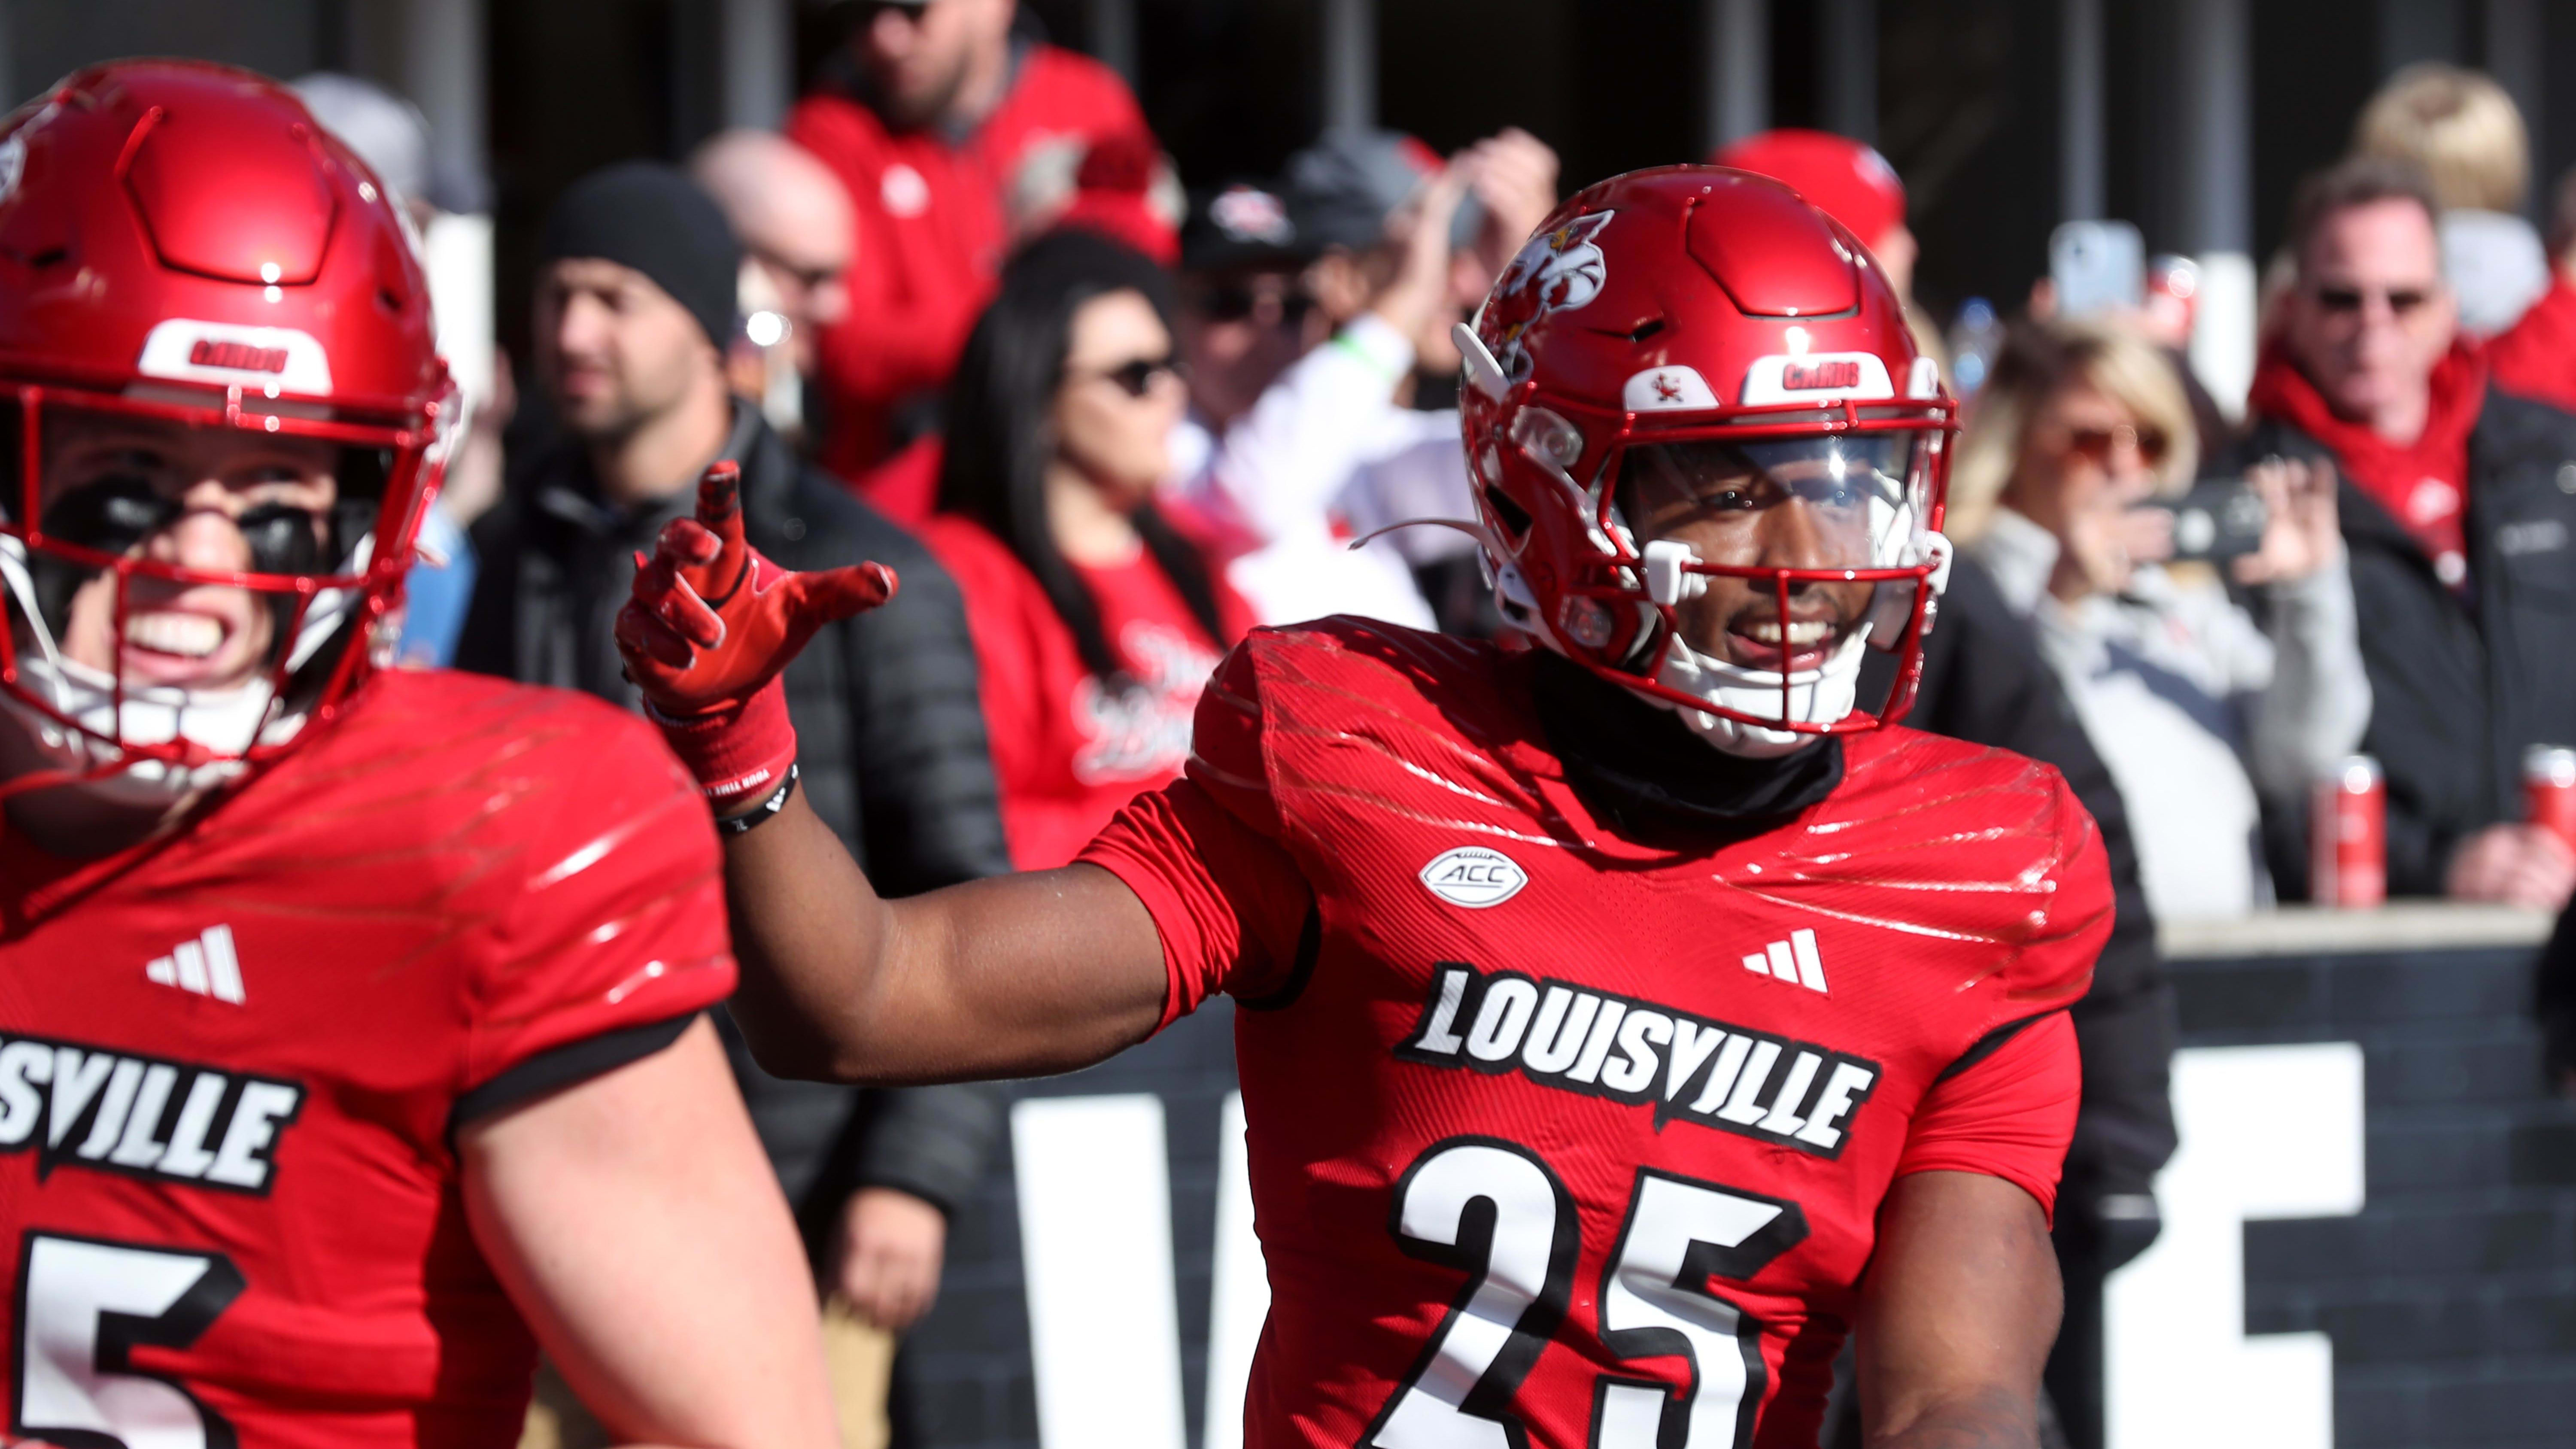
x,y
761,814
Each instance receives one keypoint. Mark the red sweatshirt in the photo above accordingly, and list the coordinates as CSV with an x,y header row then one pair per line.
x,y
2424,485
932,232
1067,753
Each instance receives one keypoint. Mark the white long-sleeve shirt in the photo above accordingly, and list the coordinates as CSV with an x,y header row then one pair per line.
x,y
2199,712
1316,462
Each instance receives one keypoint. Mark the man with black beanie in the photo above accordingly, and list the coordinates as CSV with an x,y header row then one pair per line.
x,y
635,304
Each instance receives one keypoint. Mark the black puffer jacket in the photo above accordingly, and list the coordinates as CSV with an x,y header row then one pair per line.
x,y
2461,686
891,748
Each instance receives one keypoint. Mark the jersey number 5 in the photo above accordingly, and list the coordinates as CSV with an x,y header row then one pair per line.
x,y
1495,1211
83,1306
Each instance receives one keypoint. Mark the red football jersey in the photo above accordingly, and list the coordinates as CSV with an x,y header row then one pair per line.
x,y
232,1066
1562,1139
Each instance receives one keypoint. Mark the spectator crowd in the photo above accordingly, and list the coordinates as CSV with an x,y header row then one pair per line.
x,y
960,317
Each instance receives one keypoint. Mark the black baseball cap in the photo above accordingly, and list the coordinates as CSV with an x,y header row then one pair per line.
x,y
1240,226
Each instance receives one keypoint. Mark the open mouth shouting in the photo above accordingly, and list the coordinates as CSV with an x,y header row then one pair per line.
x,y
172,634
194,637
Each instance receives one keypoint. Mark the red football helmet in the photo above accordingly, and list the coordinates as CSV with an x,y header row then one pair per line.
x,y
1707,329
183,249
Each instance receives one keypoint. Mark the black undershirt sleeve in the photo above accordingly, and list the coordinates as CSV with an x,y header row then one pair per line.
x,y
568,1065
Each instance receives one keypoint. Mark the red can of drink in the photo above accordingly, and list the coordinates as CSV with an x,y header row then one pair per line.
x,y
2549,784
2348,836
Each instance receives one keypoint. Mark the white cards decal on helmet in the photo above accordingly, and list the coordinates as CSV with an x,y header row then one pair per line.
x,y
1924,381
1474,877
1816,377
1667,389
279,359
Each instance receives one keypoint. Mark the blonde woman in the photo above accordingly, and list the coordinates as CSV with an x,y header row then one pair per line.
x,y
2466,134
2203,712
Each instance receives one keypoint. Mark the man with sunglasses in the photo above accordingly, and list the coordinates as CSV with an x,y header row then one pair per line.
x,y
929,114
1623,1020
2458,504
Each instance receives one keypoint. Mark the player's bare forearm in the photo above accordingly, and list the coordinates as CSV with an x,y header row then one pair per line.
x,y
1957,1315
1992,1422
1018,976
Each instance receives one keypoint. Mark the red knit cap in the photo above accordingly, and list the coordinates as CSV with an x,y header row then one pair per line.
x,y
1845,179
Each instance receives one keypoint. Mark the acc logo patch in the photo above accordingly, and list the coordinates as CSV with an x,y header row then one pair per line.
x,y
1474,877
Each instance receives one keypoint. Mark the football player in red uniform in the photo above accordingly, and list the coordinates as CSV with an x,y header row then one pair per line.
x,y
1623,1021
352,1033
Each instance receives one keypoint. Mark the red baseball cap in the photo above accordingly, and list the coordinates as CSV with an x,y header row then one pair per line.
x,y
1846,179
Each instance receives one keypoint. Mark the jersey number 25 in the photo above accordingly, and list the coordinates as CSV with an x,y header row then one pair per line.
x,y
1495,1211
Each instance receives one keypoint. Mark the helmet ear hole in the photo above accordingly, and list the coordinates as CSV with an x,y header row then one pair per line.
x,y
1515,520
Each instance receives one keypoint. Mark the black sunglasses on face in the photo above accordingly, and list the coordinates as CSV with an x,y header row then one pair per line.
x,y
2346,301
1137,378
1235,303
809,278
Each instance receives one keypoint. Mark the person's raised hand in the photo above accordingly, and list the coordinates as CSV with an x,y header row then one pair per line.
x,y
2514,865
2104,542
1411,300
1513,175
709,625
2301,531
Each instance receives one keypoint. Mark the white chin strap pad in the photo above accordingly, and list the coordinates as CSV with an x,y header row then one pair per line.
x,y
1818,696
1894,603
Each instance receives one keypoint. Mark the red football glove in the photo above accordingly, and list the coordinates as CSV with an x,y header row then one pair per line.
x,y
710,625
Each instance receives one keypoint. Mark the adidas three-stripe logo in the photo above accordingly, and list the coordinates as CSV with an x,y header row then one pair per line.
x,y
1794,959
206,966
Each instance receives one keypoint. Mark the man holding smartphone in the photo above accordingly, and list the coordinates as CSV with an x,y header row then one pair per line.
x,y
2458,506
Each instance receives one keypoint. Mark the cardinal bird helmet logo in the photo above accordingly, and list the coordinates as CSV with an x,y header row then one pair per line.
x,y
1560,269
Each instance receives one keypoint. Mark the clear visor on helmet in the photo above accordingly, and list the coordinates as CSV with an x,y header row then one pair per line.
x,y
1845,501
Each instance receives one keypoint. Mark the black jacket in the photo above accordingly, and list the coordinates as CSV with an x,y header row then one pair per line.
x,y
891,749
2460,686
1984,681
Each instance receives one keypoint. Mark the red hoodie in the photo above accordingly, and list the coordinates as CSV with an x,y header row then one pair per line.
x,y
932,232
2423,485
2536,358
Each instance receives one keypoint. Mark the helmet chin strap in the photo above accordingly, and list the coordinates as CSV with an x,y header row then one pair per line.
x,y
1818,696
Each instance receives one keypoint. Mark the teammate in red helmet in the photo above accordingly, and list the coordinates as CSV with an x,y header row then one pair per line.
x,y
1623,1019
352,1035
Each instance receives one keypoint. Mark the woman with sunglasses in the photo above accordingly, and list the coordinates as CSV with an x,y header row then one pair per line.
x,y
1095,621
2207,717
